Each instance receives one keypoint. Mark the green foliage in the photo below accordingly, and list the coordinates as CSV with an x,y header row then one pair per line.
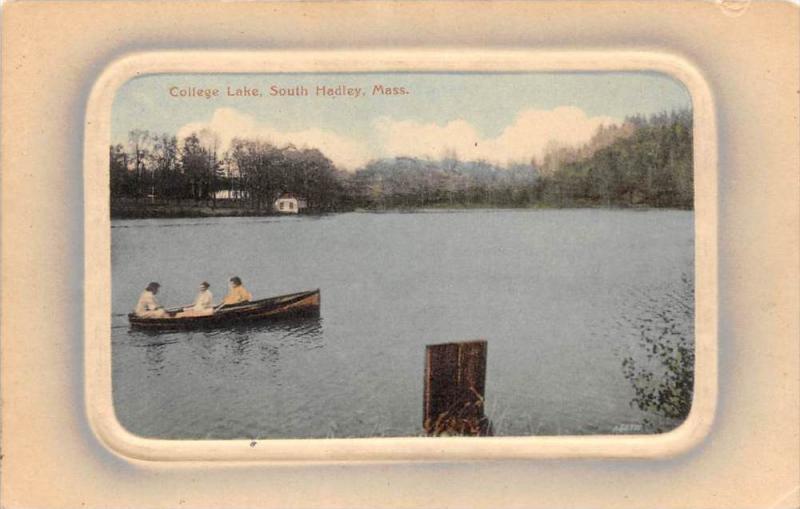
x,y
159,169
261,171
646,162
650,166
413,183
663,381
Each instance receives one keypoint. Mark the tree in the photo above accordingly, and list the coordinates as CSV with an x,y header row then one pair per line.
x,y
663,382
140,142
198,166
646,161
119,177
163,159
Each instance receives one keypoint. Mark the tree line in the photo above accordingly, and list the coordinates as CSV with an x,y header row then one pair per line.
x,y
648,163
643,162
156,168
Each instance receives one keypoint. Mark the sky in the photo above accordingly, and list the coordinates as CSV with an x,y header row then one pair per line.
x,y
501,118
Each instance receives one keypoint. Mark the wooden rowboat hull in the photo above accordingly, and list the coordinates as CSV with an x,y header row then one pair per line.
x,y
283,307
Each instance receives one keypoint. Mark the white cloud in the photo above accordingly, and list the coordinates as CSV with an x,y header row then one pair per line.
x,y
229,123
526,137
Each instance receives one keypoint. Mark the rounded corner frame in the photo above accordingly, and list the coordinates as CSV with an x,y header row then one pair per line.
x,y
97,354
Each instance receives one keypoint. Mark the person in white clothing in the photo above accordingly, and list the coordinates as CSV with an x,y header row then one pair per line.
x,y
203,303
148,306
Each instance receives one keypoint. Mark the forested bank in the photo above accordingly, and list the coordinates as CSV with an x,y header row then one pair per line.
x,y
645,162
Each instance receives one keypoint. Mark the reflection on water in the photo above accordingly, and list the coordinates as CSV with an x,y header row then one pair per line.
x,y
154,354
305,332
242,359
553,292
182,223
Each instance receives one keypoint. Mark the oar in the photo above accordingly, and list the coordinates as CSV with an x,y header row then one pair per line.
x,y
178,309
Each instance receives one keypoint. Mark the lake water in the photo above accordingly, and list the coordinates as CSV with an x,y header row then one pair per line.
x,y
556,293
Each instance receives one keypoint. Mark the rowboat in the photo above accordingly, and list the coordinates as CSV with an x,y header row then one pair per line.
x,y
293,305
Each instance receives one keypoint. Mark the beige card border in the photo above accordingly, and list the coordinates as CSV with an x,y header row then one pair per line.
x,y
52,51
98,264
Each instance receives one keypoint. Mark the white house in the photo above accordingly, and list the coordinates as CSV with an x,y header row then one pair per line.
x,y
287,203
229,194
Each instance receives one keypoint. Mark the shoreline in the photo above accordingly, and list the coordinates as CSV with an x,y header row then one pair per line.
x,y
157,212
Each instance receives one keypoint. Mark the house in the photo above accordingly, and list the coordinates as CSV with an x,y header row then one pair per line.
x,y
287,203
229,194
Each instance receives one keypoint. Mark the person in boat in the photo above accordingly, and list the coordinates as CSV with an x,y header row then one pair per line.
x,y
148,306
203,303
237,294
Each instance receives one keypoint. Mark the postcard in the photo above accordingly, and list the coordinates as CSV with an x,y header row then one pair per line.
x,y
399,255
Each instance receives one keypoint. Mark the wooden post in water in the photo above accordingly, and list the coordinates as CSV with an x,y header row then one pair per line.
x,y
455,381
